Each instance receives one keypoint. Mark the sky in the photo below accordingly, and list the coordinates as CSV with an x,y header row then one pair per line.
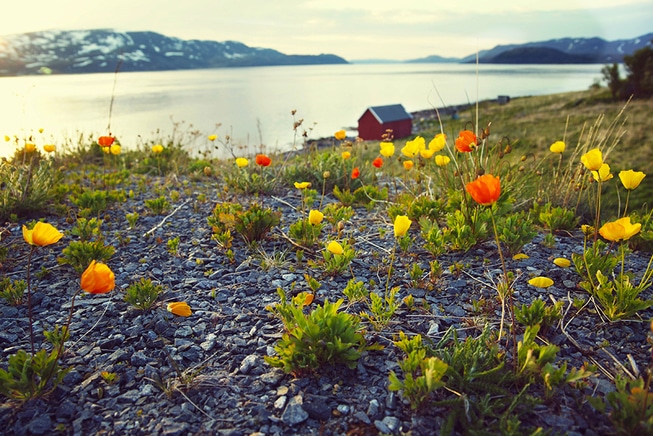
x,y
353,29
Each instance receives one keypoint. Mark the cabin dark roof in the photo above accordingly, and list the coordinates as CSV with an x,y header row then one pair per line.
x,y
389,113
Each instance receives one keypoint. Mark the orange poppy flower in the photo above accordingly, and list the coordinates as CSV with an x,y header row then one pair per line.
x,y
98,278
378,162
485,190
179,308
105,141
355,173
263,160
466,141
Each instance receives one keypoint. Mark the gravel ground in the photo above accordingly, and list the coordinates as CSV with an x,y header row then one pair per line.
x,y
205,374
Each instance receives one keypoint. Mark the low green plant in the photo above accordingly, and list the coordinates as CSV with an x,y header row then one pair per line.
x,y
345,197
416,272
556,218
422,375
173,245
12,290
381,309
356,291
142,295
86,229
335,213
31,376
79,254
255,223
334,263
95,202
370,195
535,362
459,234
27,188
425,207
305,233
158,206
434,237
539,313
618,296
323,337
242,180
132,218
223,216
515,231
629,407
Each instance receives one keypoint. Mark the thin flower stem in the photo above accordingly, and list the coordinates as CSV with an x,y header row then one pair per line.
x,y
496,238
626,206
323,190
392,261
29,299
67,327
598,214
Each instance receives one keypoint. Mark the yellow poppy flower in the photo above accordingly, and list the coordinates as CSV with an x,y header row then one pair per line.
x,y
620,230
98,278
437,143
315,217
631,179
520,256
213,137
603,174
7,138
593,159
42,234
441,160
540,282
426,153
302,185
340,135
335,248
241,162
29,147
562,262
346,155
557,147
408,164
179,308
411,148
401,225
158,148
49,148
387,149
115,149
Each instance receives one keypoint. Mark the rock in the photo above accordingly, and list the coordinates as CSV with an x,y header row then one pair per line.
x,y
248,363
294,413
40,424
317,407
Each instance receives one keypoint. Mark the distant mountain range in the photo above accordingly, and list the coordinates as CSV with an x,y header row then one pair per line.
x,y
102,50
555,51
95,51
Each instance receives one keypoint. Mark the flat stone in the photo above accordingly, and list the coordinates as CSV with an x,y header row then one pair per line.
x,y
294,413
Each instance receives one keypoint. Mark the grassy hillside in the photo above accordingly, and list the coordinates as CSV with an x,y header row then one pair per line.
x,y
585,118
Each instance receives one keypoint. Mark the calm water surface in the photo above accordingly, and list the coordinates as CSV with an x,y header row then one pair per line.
x,y
253,105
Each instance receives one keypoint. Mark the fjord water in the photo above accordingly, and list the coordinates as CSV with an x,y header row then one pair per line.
x,y
253,105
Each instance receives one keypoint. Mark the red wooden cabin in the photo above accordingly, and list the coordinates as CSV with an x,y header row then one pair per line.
x,y
377,119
